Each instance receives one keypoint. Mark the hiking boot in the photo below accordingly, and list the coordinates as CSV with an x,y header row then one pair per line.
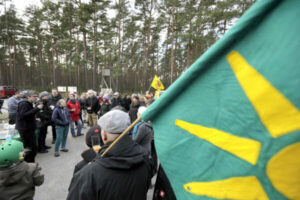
x,y
56,154
80,134
64,150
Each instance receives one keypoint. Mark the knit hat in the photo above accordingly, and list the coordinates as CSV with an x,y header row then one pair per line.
x,y
106,97
42,94
114,122
96,130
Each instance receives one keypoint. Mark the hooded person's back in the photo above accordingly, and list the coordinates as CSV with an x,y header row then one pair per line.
x,y
121,174
18,181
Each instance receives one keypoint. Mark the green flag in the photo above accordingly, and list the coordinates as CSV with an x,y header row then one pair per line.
x,y
229,127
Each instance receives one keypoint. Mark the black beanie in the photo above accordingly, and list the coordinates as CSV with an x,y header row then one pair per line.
x,y
96,130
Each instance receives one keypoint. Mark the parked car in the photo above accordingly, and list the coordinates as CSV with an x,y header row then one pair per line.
x,y
7,91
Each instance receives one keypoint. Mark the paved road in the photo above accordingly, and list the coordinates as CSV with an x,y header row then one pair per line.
x,y
58,170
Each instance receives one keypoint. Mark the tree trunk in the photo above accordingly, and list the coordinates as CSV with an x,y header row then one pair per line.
x,y
189,46
85,60
166,49
8,46
172,43
119,32
53,60
94,52
148,46
14,71
84,52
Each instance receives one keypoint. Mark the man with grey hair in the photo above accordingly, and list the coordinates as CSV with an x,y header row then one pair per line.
x,y
26,124
121,174
93,106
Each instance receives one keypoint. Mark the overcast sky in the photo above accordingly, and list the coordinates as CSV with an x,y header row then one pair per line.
x,y
22,4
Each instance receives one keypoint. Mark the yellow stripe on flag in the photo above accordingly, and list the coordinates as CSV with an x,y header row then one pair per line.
x,y
276,112
232,188
244,148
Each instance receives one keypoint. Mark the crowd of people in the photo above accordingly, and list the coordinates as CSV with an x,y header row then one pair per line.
x,y
125,172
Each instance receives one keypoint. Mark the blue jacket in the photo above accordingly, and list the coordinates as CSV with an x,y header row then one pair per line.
x,y
59,118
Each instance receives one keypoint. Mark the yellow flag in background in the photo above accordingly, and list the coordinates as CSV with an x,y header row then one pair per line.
x,y
157,84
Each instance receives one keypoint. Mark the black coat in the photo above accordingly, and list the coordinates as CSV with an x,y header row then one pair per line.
x,y
116,102
163,185
53,100
126,103
25,119
121,174
133,111
144,136
44,114
82,104
88,156
93,103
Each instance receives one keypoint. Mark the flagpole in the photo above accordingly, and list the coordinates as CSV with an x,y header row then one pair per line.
x,y
121,136
149,88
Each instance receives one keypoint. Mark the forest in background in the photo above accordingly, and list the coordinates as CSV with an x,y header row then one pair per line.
x,y
70,42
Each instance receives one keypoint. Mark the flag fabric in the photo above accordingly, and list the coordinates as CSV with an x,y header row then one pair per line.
x,y
157,84
229,127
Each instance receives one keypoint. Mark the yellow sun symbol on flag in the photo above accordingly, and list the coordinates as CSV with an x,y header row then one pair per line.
x,y
279,116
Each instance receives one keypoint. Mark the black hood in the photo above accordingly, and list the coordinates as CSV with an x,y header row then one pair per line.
x,y
124,155
89,155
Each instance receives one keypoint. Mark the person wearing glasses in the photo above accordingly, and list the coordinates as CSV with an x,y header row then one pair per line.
x,y
26,123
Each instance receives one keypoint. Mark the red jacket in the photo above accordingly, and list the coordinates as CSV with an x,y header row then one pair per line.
x,y
74,114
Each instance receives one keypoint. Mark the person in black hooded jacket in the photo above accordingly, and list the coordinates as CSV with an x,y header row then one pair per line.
x,y
43,121
89,155
120,174
26,124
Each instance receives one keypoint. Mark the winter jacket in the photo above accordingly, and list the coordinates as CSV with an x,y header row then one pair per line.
x,y
133,111
75,115
18,181
116,102
126,103
53,100
144,136
82,103
93,103
121,174
105,108
88,156
61,116
44,114
25,119
12,104
163,185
